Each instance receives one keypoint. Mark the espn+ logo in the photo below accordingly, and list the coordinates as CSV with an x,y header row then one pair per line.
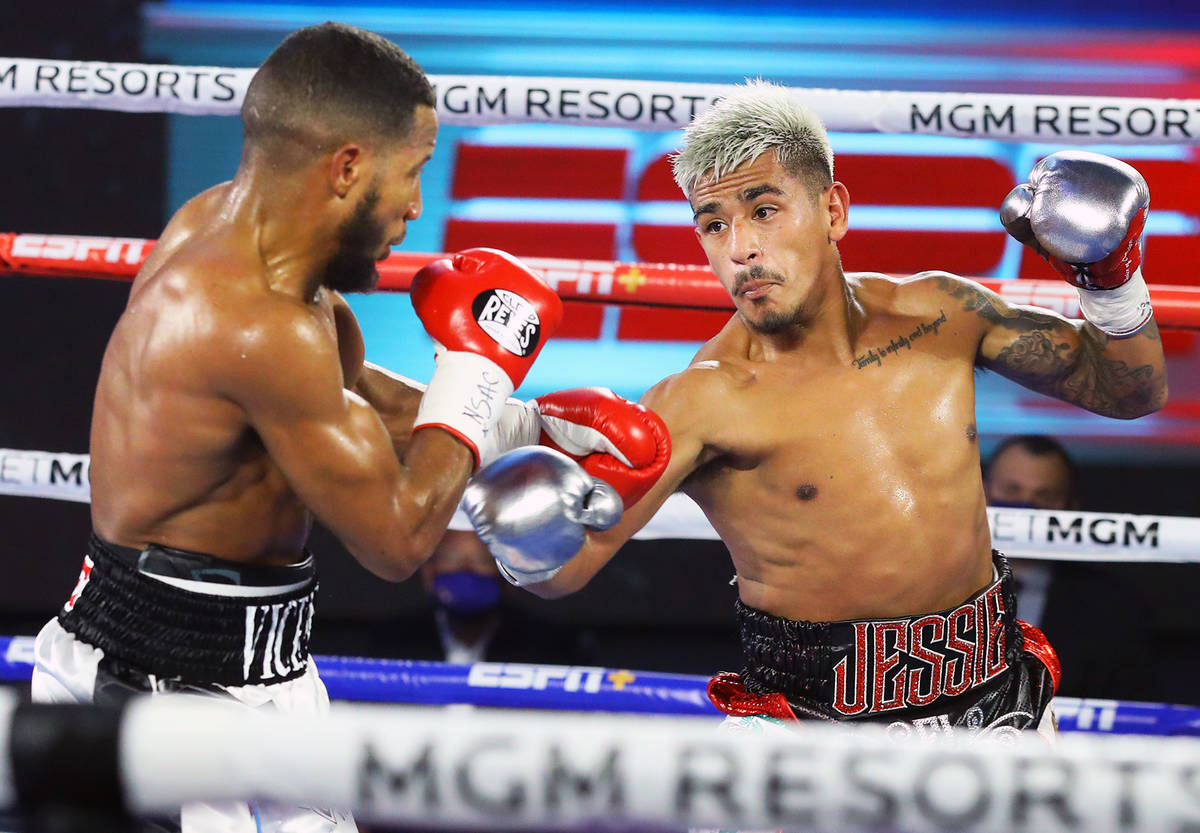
x,y
509,319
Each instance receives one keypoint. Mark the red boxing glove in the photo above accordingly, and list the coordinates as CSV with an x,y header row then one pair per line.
x,y
485,301
489,316
620,442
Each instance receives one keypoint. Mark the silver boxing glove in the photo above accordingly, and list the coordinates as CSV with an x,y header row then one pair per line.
x,y
1084,213
532,506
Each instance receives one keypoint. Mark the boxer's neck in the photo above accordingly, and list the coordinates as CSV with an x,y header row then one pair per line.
x,y
290,219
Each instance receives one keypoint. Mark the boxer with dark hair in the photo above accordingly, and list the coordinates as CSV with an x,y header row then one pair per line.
x,y
234,406
828,430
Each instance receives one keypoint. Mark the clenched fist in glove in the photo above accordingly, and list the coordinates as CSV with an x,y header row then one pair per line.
x,y
489,316
531,507
620,442
1085,212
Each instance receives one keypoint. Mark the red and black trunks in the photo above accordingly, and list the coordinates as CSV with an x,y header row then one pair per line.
x,y
974,665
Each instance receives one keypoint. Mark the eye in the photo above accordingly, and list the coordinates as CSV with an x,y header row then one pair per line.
x,y
714,226
762,212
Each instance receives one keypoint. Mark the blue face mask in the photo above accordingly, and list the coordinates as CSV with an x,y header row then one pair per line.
x,y
466,593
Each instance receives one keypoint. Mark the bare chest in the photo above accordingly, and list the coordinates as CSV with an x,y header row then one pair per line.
x,y
904,418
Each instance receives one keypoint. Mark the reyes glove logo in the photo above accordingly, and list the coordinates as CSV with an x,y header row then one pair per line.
x,y
509,319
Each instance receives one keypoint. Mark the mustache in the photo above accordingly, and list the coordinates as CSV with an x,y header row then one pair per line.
x,y
755,273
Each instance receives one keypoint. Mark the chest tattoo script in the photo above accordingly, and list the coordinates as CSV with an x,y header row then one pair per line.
x,y
904,341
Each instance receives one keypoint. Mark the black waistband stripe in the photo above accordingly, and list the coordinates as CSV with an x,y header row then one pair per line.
x,y
171,632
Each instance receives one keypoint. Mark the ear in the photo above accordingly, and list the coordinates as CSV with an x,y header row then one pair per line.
x,y
346,166
837,202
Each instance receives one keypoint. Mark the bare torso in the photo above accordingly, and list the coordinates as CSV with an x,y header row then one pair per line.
x,y
844,489
174,458
828,431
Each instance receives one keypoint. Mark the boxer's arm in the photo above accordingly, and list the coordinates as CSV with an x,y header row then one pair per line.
x,y
394,397
334,450
682,402
1069,360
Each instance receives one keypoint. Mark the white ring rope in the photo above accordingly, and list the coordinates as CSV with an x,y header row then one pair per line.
x,y
1026,533
473,100
505,770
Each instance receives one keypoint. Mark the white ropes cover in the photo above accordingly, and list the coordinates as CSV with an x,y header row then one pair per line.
x,y
659,105
511,771
1032,533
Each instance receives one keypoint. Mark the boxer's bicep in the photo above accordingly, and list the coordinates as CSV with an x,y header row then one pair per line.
x,y
336,455
1010,335
1065,358
395,398
325,439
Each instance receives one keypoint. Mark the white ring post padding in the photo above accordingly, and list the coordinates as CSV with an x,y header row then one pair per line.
x,y
1025,533
505,770
646,105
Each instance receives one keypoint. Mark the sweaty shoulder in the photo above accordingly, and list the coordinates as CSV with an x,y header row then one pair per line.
x,y
697,397
194,217
212,297
933,294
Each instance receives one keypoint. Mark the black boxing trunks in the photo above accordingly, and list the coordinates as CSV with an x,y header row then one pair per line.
x,y
167,620
974,665
192,619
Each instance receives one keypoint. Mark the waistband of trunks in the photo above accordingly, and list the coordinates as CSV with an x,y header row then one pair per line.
x,y
123,605
862,668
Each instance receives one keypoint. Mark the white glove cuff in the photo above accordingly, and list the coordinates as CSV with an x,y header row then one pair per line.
x,y
465,397
1119,312
519,579
518,426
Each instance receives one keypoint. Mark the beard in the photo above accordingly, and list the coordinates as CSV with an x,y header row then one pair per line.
x,y
352,267
772,322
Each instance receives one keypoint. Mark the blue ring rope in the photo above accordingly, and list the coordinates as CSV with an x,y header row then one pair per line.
x,y
592,688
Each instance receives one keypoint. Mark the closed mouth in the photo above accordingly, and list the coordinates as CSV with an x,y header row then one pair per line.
x,y
755,289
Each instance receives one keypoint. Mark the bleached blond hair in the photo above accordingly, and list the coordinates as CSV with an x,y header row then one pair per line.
x,y
756,117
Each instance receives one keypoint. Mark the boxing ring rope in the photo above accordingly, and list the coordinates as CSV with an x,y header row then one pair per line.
x,y
1052,534
587,688
597,281
511,770
482,100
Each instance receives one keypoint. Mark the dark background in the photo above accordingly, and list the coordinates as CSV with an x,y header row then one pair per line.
x,y
658,606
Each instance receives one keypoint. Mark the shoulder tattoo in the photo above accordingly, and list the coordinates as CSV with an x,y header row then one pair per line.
x,y
1050,356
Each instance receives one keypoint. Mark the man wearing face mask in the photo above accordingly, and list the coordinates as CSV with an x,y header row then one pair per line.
x,y
1109,658
464,583
1034,472
473,624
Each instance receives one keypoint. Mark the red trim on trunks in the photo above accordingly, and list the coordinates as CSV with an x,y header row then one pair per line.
x,y
730,695
1037,644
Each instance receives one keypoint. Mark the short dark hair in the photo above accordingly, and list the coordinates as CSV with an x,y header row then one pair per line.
x,y
331,83
1040,445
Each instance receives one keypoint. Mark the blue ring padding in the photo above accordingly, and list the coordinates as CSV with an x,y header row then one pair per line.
x,y
588,688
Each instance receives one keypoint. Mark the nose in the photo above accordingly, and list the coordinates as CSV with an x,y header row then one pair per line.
x,y
743,243
414,206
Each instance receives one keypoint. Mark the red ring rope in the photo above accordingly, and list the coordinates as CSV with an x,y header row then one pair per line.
x,y
601,281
